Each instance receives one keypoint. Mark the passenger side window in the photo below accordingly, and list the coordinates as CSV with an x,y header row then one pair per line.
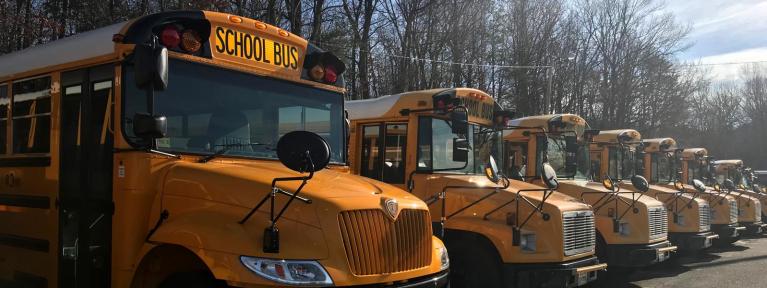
x,y
383,156
5,102
31,115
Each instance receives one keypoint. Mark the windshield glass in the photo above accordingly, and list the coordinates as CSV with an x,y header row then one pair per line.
x,y
557,155
436,141
662,168
621,162
209,108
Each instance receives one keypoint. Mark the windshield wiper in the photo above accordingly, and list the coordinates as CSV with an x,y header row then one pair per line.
x,y
226,149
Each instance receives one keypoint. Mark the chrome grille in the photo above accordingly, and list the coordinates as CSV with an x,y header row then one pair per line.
x,y
658,220
733,211
704,218
377,245
579,233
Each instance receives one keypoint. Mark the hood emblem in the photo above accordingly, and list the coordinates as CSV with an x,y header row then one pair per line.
x,y
390,208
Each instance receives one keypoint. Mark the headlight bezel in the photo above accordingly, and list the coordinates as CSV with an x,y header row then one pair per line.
x,y
527,242
624,228
253,264
444,258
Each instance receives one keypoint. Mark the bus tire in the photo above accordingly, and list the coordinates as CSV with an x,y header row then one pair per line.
x,y
474,261
196,279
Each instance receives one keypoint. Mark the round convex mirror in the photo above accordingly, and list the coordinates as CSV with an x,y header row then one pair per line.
x,y
608,183
549,176
678,185
491,170
640,183
717,188
303,151
700,186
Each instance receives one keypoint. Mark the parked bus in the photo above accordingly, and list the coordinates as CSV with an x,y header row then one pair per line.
x,y
631,230
728,174
744,180
184,149
658,163
688,215
500,232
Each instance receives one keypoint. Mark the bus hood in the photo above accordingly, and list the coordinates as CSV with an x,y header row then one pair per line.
x,y
591,189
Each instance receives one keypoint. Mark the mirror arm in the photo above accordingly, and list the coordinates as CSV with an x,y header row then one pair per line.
x,y
537,208
632,205
598,204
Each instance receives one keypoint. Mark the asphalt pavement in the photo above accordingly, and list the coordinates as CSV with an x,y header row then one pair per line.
x,y
744,264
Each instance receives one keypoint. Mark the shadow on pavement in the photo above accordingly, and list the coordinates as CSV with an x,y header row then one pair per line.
x,y
735,247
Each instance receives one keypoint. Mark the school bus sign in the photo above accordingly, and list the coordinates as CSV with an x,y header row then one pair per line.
x,y
257,50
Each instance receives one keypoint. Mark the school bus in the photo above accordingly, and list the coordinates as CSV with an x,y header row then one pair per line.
x,y
688,215
728,174
694,164
745,183
660,161
184,149
632,231
440,144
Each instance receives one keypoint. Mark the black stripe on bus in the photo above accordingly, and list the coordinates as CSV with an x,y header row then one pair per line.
x,y
27,201
34,244
44,161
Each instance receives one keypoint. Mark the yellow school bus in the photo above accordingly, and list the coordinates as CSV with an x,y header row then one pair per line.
x,y
744,179
694,164
728,175
632,231
620,156
661,168
184,149
440,144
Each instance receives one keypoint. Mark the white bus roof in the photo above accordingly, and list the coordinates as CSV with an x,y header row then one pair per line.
x,y
81,46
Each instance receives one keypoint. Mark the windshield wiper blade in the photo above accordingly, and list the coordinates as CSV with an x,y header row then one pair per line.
x,y
226,149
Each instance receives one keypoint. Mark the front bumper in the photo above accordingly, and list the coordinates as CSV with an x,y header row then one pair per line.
x,y
728,233
753,228
692,241
567,274
438,280
638,255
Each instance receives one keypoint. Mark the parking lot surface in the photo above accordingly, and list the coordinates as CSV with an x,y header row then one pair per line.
x,y
743,264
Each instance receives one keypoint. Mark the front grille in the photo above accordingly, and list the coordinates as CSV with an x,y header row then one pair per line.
x,y
657,218
579,233
377,245
704,218
733,211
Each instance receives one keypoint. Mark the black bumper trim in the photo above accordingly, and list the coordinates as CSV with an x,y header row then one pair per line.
x,y
437,280
692,241
636,255
753,228
551,274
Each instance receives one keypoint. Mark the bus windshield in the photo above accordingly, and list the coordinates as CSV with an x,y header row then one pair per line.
x,y
435,147
557,155
209,109
662,168
621,162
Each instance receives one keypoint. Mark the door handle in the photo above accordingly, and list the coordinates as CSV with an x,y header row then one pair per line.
x,y
10,179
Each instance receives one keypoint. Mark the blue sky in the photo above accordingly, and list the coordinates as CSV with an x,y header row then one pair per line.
x,y
723,31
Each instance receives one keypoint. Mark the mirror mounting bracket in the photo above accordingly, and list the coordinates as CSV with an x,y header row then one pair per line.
x,y
442,197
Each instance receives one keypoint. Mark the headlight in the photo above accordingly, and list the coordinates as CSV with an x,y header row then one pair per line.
x,y
527,242
443,258
297,273
624,229
679,219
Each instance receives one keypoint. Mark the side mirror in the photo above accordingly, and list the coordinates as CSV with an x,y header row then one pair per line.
x,y
151,66
717,188
640,183
303,151
702,187
571,144
491,170
678,185
742,187
149,126
608,183
549,176
460,150
729,184
459,121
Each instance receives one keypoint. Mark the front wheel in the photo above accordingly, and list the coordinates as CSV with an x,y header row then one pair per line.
x,y
473,261
197,279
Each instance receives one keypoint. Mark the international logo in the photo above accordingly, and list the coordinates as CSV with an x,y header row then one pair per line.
x,y
390,208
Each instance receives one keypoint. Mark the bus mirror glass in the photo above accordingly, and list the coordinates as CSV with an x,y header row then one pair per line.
x,y
149,126
678,185
491,170
700,186
460,150
151,64
459,122
640,183
549,176
303,151
716,187
571,144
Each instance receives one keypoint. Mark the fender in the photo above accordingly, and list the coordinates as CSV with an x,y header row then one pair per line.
x,y
499,234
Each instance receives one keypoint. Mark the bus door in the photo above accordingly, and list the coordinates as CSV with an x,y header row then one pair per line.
x,y
383,152
85,187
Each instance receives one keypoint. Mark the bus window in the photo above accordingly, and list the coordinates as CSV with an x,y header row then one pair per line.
x,y
388,163
4,104
371,160
32,115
